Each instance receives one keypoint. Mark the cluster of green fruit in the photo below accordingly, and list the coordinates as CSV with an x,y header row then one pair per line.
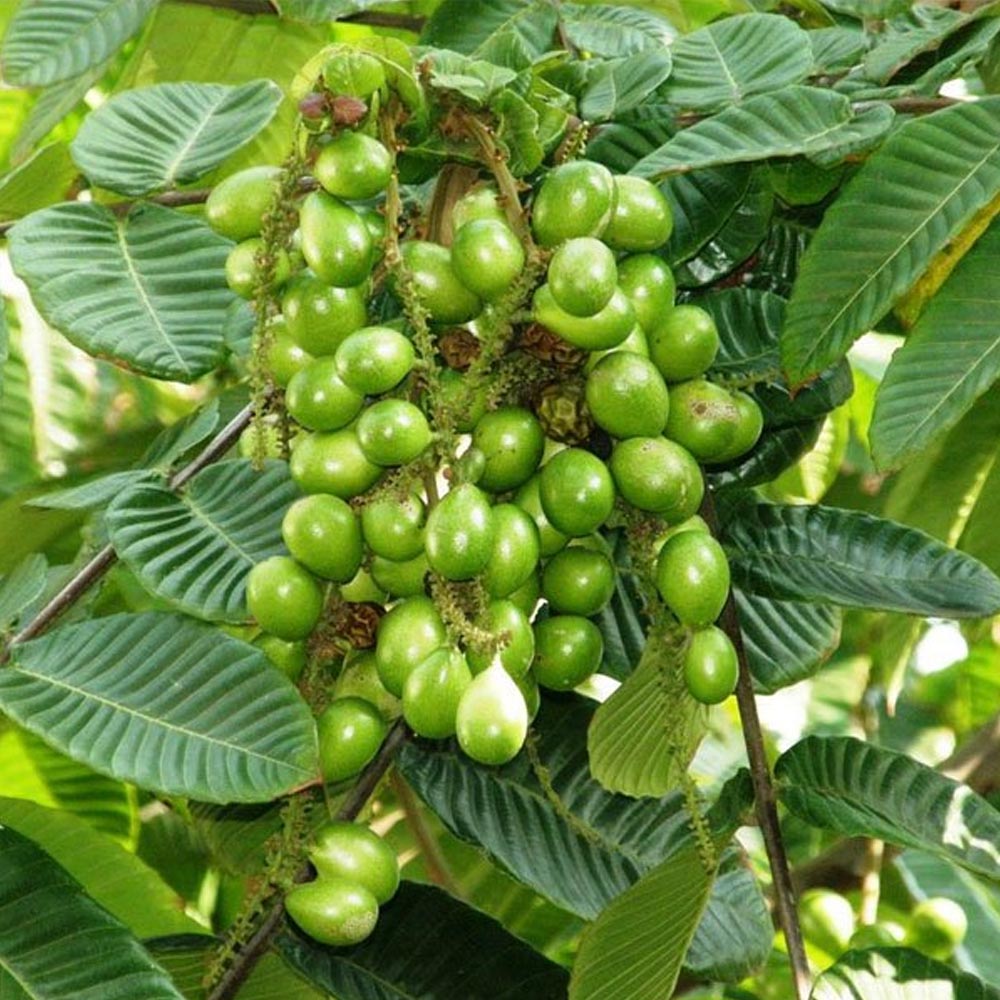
x,y
356,872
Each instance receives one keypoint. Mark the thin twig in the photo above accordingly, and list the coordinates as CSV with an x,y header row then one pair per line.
x,y
434,860
764,795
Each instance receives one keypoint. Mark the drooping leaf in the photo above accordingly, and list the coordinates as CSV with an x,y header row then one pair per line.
x,y
94,494
196,549
796,121
736,58
631,950
859,789
620,144
52,40
911,196
701,202
950,358
468,957
854,559
48,922
43,179
20,587
896,49
169,134
153,296
612,32
776,451
619,85
169,704
837,49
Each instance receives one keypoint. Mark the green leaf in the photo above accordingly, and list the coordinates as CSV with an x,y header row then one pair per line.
x,y
517,130
620,144
701,202
171,133
850,558
858,789
737,58
196,549
898,212
112,876
633,748
19,588
323,11
153,296
468,955
96,493
951,357
621,622
786,641
868,9
775,452
52,40
897,974
631,950
172,705
836,50
796,121
619,85
41,180
613,32
475,79
898,49
57,944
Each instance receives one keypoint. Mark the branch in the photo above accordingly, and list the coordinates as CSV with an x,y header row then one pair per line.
x,y
764,796
255,949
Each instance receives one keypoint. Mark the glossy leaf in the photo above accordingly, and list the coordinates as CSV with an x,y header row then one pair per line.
x,y
50,923
468,956
908,200
19,588
153,296
620,144
701,202
196,549
171,133
736,58
776,451
612,32
52,40
859,789
162,701
621,84
850,558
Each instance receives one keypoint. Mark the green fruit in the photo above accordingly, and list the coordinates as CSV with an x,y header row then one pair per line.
x,y
634,343
289,657
692,576
468,403
659,476
359,679
319,399
492,720
684,343
393,432
578,581
582,276
576,491
527,596
333,911
479,203
627,397
460,533
528,498
512,442
283,598
320,316
324,534
516,651
353,166
284,356
827,920
604,329
350,732
356,854
568,649
433,691
237,205
242,273
649,284
937,927
531,693
437,286
334,463
394,529
575,199
874,936
354,73
404,578
642,218
362,588
487,257
703,418
336,243
710,666
515,552
749,425
374,359
407,635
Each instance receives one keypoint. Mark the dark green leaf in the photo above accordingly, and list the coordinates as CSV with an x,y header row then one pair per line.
x,y
620,144
619,85
836,50
20,587
775,452
702,201
94,494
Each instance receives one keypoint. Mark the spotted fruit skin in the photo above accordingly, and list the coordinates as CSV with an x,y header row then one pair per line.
x,y
334,912
353,852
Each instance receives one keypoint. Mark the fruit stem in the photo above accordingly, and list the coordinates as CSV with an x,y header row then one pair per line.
x,y
763,785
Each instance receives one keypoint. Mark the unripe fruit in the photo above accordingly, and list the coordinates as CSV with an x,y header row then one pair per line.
x,y
359,679
401,578
333,911
634,343
460,534
604,329
284,357
749,425
937,927
350,732
703,418
333,463
320,316
659,476
492,720
407,635
528,498
242,273
319,399
436,284
479,203
575,199
710,666
683,343
576,491
374,359
568,649
692,576
649,284
289,657
353,166
283,598
578,581
627,396
582,276
351,72
531,693
356,854
487,258
362,588
324,534
237,204
394,529
515,551
393,432
827,920
432,693
504,618
642,218
336,243
512,442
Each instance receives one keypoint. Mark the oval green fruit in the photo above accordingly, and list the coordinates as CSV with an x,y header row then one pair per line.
x,y
692,576
649,284
393,432
937,926
242,273
394,529
350,732
324,534
374,359
353,72
237,204
284,357
319,399
479,203
528,498
749,426
356,854
487,257
515,552
290,657
436,284
627,397
460,533
492,720
642,218
333,911
284,598
578,581
659,476
353,166
432,692
512,442
407,635
582,276
703,418
359,679
467,402
336,243
684,343
320,316
607,328
634,343
401,578
575,199
333,462
827,920
568,649
710,666
515,652
576,491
